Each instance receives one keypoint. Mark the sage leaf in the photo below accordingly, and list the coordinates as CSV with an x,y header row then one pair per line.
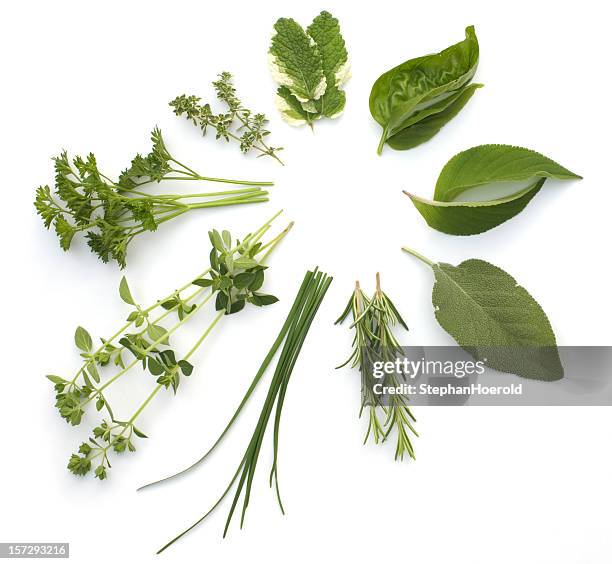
x,y
494,319
408,89
483,166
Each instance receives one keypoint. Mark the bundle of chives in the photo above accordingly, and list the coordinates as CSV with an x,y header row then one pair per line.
x,y
292,334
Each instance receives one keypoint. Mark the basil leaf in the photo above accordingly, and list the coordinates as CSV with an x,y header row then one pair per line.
x,y
417,84
483,166
425,124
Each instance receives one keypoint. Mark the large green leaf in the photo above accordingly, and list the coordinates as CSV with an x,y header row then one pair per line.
x,y
419,83
469,218
425,124
484,166
494,319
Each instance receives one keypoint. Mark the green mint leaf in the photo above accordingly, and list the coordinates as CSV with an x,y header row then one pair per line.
x,y
325,31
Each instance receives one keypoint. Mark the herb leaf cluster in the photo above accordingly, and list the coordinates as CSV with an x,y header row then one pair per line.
x,y
239,124
311,68
143,340
374,319
111,213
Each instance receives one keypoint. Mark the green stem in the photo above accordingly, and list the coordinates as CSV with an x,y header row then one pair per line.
x,y
417,255
383,140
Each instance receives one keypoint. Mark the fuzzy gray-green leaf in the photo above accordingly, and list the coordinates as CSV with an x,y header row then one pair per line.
x,y
494,319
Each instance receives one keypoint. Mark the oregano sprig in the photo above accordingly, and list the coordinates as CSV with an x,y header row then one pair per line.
x,y
239,124
111,213
236,272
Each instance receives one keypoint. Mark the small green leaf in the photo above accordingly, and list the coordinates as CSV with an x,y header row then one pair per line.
x,y
236,306
55,379
216,240
158,334
155,367
171,303
186,367
221,301
139,433
244,280
82,339
203,282
99,403
257,281
124,292
245,263
227,238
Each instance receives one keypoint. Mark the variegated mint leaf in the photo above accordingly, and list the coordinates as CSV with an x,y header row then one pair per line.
x,y
295,61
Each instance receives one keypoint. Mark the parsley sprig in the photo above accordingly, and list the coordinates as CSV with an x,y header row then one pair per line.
x,y
240,124
112,213
373,321
233,279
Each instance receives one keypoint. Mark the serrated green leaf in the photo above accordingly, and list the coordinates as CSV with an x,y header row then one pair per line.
x,y
290,107
325,31
82,339
124,292
295,61
483,166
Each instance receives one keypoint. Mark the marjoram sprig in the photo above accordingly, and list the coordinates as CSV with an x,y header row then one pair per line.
x,y
233,279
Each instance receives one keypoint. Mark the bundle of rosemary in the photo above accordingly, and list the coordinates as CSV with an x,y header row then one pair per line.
x,y
291,336
373,321
113,212
233,279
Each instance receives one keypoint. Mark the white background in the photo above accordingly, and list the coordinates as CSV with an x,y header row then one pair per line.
x,y
503,485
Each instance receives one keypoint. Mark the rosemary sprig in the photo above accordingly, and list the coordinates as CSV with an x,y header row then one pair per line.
x,y
292,336
238,123
373,321
112,213
233,279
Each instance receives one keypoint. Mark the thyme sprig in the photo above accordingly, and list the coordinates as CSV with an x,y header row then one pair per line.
x,y
112,213
373,321
240,124
233,279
